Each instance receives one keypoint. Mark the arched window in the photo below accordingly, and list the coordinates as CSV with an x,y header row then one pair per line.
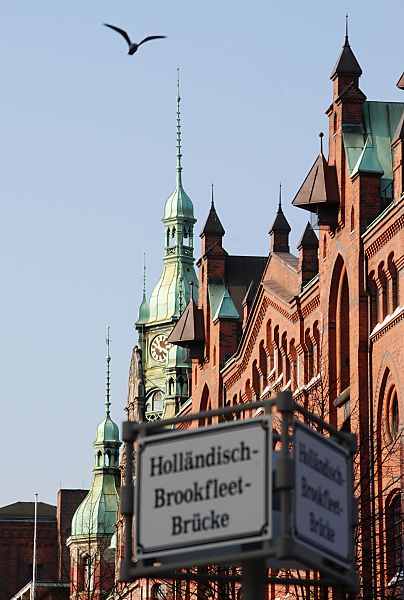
x,y
310,356
394,541
339,331
393,416
256,379
382,284
392,269
263,363
373,295
269,344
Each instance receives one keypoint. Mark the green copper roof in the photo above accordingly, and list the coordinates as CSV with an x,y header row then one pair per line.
x,y
368,161
144,312
107,432
369,147
226,309
96,515
165,299
221,304
179,203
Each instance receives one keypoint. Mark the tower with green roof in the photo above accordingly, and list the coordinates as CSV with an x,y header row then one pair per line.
x,y
91,542
167,368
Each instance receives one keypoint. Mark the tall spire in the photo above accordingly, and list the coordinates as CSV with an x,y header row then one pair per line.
x,y
346,63
107,402
212,200
144,275
179,155
280,197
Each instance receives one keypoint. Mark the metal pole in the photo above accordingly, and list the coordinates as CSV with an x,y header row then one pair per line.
x,y
254,579
34,551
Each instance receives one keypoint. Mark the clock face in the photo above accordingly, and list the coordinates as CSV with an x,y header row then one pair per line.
x,y
159,347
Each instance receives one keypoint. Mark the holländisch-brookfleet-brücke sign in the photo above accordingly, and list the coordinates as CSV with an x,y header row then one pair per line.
x,y
204,486
322,507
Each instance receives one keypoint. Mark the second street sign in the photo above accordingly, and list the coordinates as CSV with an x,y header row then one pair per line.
x,y
202,487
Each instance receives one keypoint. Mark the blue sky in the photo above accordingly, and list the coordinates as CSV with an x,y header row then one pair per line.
x,y
87,160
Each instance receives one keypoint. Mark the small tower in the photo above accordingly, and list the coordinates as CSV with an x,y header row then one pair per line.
x,y
166,368
93,525
280,229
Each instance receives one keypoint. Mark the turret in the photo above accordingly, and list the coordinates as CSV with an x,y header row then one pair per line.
x,y
280,229
93,524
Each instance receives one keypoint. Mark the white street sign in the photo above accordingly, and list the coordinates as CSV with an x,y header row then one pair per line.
x,y
202,487
322,502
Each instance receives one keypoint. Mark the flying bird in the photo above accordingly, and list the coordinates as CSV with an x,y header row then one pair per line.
x,y
133,46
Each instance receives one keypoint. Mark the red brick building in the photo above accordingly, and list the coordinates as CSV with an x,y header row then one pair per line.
x,y
326,324
16,543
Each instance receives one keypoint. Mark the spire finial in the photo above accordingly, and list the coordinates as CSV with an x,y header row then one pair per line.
x,y
280,198
346,29
321,135
212,202
107,402
144,275
179,155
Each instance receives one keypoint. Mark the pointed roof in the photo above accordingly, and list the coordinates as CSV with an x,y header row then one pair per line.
x,y
319,187
226,308
368,161
280,223
179,204
346,63
400,82
96,515
190,326
212,225
309,238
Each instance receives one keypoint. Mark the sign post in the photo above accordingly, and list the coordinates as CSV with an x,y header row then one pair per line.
x,y
194,485
205,496
322,506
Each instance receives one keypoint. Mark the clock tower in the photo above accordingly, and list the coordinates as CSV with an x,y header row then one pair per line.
x,y
167,369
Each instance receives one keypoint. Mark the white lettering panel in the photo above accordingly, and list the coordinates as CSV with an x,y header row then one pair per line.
x,y
322,515
204,486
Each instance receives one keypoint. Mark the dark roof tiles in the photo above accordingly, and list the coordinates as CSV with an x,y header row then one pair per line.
x,y
346,63
213,224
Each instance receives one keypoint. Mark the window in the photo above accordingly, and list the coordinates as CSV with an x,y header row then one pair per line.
x,y
394,536
393,417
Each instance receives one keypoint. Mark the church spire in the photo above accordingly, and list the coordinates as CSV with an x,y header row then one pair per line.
x,y
107,400
179,155
346,63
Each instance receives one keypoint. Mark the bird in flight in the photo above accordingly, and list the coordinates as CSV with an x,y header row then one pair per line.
x,y
133,46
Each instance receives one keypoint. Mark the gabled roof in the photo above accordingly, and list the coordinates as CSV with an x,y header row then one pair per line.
x,y
212,224
346,63
400,82
319,187
190,327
